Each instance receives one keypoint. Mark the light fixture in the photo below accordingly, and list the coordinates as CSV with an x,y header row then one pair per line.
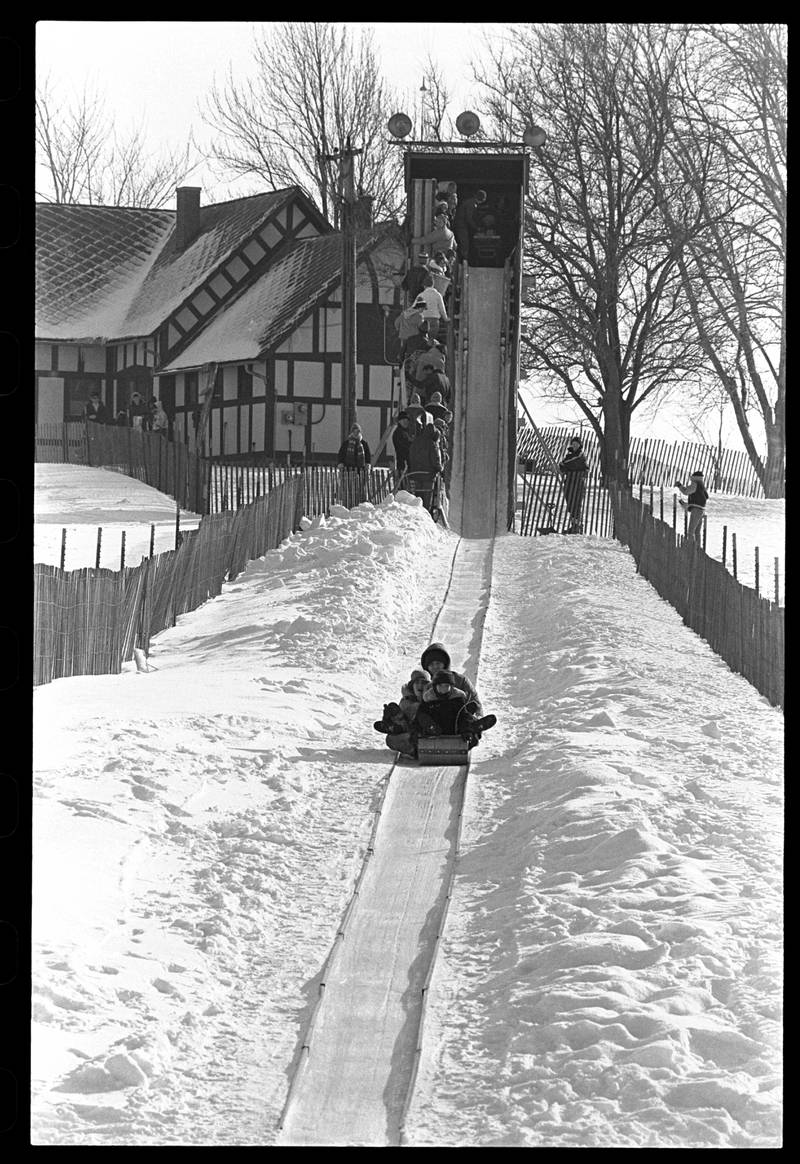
x,y
534,135
468,123
399,125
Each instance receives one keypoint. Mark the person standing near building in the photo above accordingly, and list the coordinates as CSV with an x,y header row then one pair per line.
x,y
401,441
574,468
695,503
138,410
96,411
441,238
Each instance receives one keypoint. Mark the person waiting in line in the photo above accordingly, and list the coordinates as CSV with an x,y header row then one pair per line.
x,y
467,223
439,268
401,442
95,410
419,342
412,280
417,414
138,410
437,409
425,462
431,304
448,192
433,382
441,238
695,503
574,468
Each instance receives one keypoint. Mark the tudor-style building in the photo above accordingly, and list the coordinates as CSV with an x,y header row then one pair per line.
x,y
245,293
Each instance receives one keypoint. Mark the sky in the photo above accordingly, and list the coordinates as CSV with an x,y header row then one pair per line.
x,y
610,974
159,72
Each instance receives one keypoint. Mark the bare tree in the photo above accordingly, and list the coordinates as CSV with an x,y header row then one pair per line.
x,y
437,125
84,159
605,317
727,141
313,89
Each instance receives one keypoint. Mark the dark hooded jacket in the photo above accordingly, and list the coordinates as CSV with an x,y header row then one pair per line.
x,y
460,681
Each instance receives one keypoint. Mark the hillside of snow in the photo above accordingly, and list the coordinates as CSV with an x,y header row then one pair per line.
x,y
611,970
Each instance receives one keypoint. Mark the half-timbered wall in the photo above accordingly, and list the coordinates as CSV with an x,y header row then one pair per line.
x,y
66,375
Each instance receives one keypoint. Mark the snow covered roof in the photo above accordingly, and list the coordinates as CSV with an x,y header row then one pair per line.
x,y
272,306
108,272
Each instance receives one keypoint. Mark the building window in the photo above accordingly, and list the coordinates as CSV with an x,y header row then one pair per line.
x,y
54,358
76,395
217,393
244,387
190,387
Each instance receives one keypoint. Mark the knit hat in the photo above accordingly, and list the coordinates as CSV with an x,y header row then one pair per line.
x,y
697,473
415,675
443,677
435,651
436,398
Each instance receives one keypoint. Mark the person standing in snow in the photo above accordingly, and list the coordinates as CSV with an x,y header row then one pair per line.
x,y
574,468
425,462
353,460
696,498
401,440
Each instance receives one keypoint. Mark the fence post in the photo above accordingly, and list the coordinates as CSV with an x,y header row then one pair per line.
x,y
757,572
177,524
724,545
99,546
674,513
705,530
63,547
777,588
122,551
661,502
152,538
733,553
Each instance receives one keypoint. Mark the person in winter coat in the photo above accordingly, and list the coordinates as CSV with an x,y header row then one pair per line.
x,y
574,468
466,222
441,238
437,409
435,658
354,452
444,711
96,411
696,498
434,383
431,304
424,463
138,410
401,440
400,717
159,421
413,280
417,414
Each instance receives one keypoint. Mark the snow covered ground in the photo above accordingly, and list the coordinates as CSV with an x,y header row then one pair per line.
x,y
611,970
80,499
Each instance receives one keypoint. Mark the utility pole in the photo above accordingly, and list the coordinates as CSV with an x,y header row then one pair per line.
x,y
349,406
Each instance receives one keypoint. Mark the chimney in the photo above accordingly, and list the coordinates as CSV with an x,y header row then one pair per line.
x,y
187,222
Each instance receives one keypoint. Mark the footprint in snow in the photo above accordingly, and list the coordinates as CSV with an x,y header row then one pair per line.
x,y
711,729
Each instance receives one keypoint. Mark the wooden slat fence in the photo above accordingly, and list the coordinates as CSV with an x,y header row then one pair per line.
x,y
649,460
747,631
543,505
149,457
87,622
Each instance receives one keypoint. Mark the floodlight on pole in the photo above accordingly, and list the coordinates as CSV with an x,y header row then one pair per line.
x,y
534,135
468,123
399,125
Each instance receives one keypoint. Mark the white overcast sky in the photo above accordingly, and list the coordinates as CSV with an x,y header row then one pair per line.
x,y
158,72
